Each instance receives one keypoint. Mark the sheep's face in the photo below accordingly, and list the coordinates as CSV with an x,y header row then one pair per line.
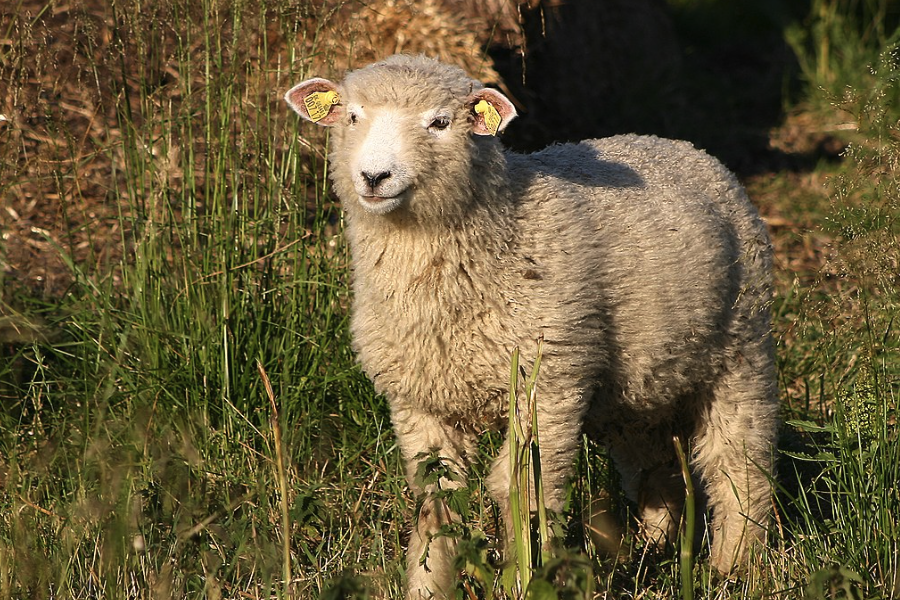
x,y
381,151
402,126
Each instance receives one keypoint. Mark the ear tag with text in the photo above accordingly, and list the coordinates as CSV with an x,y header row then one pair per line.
x,y
318,104
491,116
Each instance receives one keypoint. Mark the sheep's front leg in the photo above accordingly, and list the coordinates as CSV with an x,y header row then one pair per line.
x,y
430,556
559,431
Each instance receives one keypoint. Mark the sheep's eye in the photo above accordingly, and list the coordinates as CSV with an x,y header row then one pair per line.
x,y
353,118
440,123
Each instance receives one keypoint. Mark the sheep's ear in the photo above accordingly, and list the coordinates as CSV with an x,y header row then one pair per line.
x,y
317,100
491,111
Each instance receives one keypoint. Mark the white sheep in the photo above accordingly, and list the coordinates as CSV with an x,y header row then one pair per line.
x,y
639,260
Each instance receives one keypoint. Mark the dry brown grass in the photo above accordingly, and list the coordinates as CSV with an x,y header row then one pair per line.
x,y
65,77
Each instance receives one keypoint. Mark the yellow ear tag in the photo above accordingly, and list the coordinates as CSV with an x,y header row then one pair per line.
x,y
318,104
491,116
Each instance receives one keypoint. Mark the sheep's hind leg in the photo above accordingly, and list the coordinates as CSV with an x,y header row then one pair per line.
x,y
430,556
652,478
559,435
733,453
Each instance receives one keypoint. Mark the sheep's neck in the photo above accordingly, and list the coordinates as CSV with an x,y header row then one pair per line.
x,y
401,258
432,299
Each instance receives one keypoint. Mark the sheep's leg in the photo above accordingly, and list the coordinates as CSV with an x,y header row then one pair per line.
x,y
497,483
559,434
733,453
430,557
652,478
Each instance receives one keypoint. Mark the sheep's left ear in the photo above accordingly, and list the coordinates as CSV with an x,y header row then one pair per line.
x,y
491,111
317,100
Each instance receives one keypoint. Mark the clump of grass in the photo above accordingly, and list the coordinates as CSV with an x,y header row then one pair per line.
x,y
525,478
849,348
857,461
538,566
840,40
140,452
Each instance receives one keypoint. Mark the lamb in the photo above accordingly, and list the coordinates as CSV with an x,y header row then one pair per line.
x,y
640,262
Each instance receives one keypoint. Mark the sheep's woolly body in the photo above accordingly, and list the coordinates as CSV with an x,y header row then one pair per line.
x,y
641,263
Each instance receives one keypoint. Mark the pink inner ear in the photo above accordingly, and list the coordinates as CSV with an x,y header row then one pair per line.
x,y
500,102
296,95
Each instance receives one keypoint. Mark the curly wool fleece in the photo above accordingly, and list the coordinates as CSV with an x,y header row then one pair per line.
x,y
639,261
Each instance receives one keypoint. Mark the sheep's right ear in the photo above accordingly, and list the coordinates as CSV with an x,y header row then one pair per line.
x,y
491,111
317,100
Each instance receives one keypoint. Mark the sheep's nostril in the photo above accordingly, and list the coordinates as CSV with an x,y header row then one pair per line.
x,y
373,179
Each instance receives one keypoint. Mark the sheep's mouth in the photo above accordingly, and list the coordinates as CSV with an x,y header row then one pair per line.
x,y
381,204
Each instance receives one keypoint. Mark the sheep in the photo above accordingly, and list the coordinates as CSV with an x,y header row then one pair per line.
x,y
639,261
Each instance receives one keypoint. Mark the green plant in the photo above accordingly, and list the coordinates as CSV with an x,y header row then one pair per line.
x,y
540,569
840,40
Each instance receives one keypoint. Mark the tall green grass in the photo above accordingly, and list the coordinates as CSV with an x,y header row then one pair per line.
x,y
839,42
142,455
843,370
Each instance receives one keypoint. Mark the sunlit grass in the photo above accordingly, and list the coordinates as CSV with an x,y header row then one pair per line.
x,y
141,450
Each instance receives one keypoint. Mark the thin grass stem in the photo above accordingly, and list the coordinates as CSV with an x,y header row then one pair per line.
x,y
686,557
518,499
282,483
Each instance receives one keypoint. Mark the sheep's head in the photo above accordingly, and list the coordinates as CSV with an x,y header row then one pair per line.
x,y
404,127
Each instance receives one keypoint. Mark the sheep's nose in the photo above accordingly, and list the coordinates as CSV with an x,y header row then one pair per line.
x,y
373,179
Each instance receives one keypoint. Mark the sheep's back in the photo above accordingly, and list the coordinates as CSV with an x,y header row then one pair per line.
x,y
655,266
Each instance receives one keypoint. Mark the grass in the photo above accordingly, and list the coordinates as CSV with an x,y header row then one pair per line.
x,y
142,453
181,412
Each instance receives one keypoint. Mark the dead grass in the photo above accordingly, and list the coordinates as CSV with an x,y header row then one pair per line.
x,y
65,78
